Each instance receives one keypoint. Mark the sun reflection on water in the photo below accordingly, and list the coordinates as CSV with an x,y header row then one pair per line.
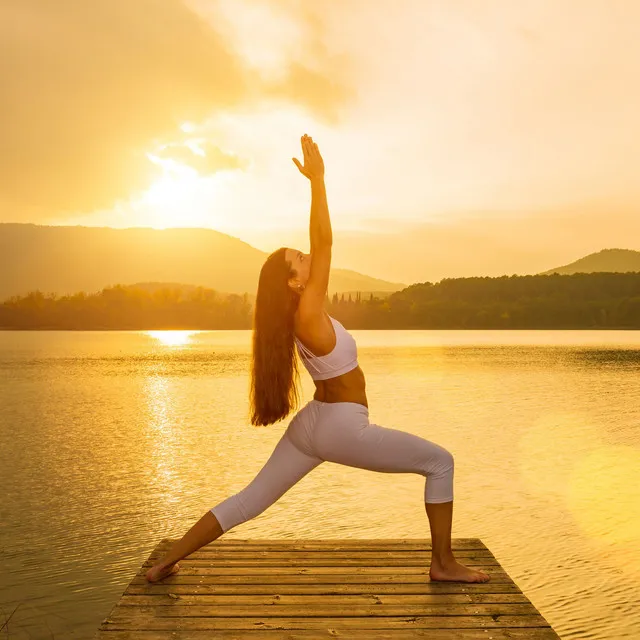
x,y
172,338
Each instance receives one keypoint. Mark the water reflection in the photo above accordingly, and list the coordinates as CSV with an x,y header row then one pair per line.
x,y
162,434
172,338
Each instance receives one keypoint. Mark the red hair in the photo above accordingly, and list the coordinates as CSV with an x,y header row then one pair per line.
x,y
274,367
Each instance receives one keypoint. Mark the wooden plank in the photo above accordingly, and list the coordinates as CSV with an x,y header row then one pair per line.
x,y
197,587
300,576
242,552
365,544
324,562
307,601
326,571
325,610
322,557
514,633
227,576
119,622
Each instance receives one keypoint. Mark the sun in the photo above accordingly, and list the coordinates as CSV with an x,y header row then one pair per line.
x,y
182,197
175,199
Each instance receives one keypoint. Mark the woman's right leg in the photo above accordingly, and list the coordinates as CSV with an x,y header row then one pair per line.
x,y
287,464
343,434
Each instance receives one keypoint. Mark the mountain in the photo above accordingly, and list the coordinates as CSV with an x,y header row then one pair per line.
x,y
69,259
617,260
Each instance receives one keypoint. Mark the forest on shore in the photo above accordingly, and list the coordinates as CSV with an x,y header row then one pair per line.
x,y
603,300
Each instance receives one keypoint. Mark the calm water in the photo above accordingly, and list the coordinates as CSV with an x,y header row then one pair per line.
x,y
110,441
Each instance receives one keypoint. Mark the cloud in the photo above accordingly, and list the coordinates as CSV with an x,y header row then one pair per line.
x,y
209,159
89,88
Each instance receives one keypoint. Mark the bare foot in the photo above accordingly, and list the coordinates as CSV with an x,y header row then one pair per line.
x,y
159,571
456,572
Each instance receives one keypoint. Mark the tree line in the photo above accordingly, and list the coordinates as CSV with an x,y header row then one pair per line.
x,y
579,301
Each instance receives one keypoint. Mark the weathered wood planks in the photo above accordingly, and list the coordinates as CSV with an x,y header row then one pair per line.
x,y
319,589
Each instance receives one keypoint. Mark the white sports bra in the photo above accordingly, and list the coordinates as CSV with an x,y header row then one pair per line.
x,y
343,358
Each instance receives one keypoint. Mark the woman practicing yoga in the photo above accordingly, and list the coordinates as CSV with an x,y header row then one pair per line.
x,y
334,426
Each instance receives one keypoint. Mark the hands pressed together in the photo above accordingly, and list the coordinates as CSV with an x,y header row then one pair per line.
x,y
313,164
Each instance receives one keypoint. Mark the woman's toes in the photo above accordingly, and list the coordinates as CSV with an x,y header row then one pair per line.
x,y
157,573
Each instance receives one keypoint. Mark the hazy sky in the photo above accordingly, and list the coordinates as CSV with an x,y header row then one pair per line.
x,y
508,129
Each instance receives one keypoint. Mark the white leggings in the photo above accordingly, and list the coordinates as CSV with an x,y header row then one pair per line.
x,y
338,432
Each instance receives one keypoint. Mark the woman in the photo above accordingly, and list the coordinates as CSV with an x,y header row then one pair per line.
x,y
335,425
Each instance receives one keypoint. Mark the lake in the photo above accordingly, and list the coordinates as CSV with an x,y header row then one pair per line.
x,y
111,441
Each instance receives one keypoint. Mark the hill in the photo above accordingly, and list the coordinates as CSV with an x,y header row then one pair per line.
x,y
607,260
65,260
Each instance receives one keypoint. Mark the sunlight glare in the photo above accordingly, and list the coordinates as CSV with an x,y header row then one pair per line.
x,y
181,197
549,449
564,459
172,338
604,494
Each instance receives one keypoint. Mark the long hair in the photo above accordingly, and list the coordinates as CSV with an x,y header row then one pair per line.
x,y
274,367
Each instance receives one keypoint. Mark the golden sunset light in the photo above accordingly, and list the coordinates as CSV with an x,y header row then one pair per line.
x,y
489,128
335,300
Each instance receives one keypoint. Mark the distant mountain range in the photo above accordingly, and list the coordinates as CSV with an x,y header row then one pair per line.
x,y
617,260
70,259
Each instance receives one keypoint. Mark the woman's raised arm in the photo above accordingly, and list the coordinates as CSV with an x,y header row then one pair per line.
x,y
320,233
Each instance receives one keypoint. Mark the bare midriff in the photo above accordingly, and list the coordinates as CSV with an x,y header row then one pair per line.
x,y
349,387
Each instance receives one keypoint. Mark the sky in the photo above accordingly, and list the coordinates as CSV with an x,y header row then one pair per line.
x,y
462,137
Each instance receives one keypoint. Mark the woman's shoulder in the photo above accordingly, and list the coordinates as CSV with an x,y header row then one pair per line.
x,y
316,331
311,321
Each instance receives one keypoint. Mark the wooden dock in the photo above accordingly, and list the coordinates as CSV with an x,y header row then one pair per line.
x,y
319,589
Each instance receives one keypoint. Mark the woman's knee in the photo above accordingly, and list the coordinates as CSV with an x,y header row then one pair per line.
x,y
236,509
440,462
448,458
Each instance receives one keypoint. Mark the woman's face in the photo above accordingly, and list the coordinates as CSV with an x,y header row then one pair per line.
x,y
301,263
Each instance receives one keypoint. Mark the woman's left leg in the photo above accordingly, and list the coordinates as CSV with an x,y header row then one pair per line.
x,y
284,468
344,435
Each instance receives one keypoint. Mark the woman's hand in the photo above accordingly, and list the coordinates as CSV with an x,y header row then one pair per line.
x,y
313,164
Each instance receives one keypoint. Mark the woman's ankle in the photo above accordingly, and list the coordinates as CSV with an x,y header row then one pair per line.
x,y
166,565
442,558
